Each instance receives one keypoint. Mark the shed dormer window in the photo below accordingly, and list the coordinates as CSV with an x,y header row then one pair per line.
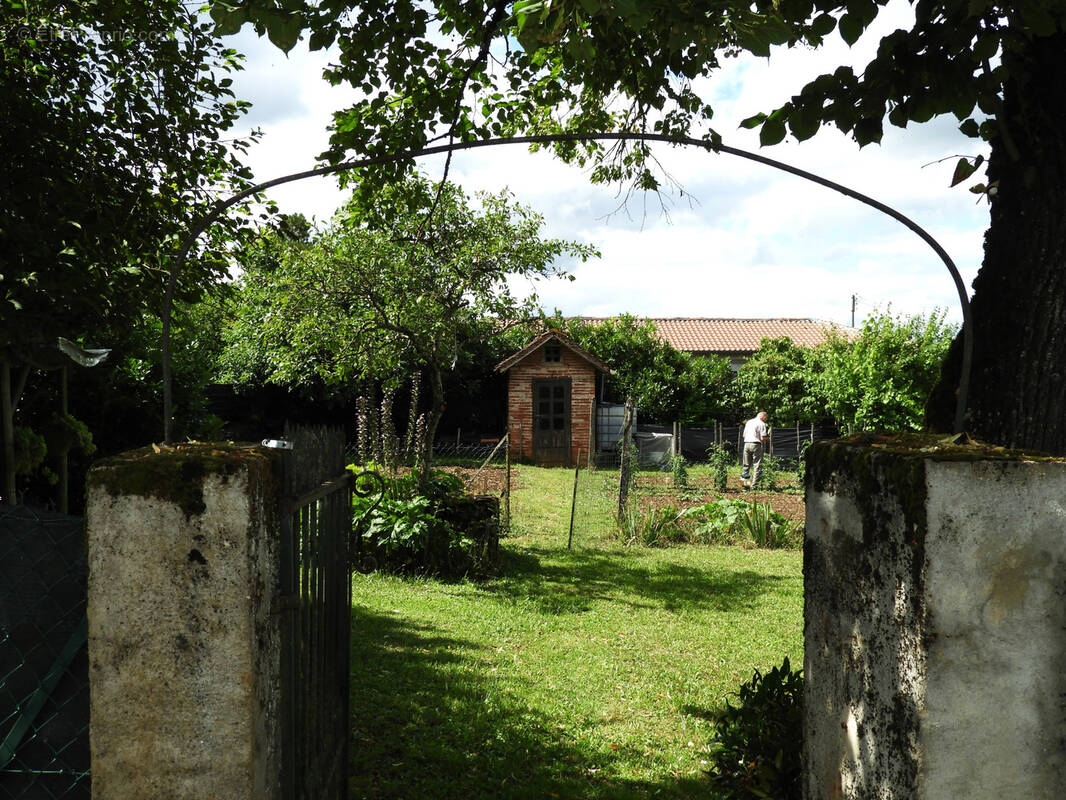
x,y
553,353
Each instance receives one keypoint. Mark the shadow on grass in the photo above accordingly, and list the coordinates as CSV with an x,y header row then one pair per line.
x,y
428,721
571,586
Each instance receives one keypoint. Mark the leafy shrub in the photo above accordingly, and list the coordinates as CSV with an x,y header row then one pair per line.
x,y
715,523
720,460
65,433
30,450
760,739
769,473
764,527
421,533
679,472
651,527
732,520
801,462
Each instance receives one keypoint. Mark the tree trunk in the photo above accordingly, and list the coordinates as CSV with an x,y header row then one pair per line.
x,y
436,411
1017,385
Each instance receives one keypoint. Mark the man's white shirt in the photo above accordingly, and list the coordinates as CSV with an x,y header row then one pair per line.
x,y
754,430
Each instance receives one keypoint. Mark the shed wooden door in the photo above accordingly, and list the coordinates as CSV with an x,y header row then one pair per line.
x,y
551,422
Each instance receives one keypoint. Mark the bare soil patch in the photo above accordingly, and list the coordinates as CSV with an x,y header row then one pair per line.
x,y
491,480
659,490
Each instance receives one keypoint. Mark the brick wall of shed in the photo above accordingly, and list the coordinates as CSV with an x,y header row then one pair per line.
x,y
520,401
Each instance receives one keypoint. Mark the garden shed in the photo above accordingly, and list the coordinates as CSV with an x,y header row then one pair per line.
x,y
551,400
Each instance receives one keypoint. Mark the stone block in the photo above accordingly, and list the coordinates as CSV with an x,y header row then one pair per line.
x,y
183,647
935,622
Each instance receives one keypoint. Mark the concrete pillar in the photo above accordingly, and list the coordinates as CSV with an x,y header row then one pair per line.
x,y
935,622
183,648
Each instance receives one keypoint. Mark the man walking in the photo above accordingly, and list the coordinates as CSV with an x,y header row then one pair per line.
x,y
755,435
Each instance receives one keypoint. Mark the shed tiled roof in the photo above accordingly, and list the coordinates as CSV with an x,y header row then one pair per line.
x,y
717,335
547,336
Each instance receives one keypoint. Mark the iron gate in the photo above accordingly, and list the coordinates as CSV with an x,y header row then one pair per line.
x,y
44,669
315,604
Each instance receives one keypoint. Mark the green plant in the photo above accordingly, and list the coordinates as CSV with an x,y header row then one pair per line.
x,y
715,523
720,460
679,471
30,450
651,527
764,527
768,473
408,531
760,738
801,462
65,433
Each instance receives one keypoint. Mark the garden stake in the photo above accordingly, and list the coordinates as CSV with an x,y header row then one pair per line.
x,y
573,503
507,484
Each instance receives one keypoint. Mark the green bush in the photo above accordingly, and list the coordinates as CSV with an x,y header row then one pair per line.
x,y
764,527
715,523
30,450
420,533
760,739
768,473
801,462
679,471
719,460
733,521
651,527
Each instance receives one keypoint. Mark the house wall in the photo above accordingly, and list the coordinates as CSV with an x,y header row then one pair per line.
x,y
520,401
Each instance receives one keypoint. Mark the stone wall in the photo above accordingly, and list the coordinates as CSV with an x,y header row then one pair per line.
x,y
935,622
183,647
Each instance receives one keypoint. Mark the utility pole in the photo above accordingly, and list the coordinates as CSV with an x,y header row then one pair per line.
x,y
853,299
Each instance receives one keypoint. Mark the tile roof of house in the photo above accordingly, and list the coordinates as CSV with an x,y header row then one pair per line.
x,y
567,342
717,335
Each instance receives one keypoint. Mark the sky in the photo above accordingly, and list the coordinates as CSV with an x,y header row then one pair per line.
x,y
744,240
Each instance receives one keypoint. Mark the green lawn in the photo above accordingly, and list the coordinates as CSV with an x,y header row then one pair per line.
x,y
591,673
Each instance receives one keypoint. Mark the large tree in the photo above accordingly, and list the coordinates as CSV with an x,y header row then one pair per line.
x,y
666,384
473,70
404,280
774,379
112,117
882,379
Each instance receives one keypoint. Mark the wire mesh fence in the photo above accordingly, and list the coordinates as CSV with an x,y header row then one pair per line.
x,y
786,441
44,669
488,473
595,499
449,451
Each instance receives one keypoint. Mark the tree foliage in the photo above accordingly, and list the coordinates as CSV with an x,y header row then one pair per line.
x,y
112,115
465,71
405,279
111,123
883,379
776,379
879,380
474,71
666,384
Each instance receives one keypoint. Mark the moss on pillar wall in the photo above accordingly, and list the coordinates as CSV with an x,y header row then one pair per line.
x,y
905,536
175,474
